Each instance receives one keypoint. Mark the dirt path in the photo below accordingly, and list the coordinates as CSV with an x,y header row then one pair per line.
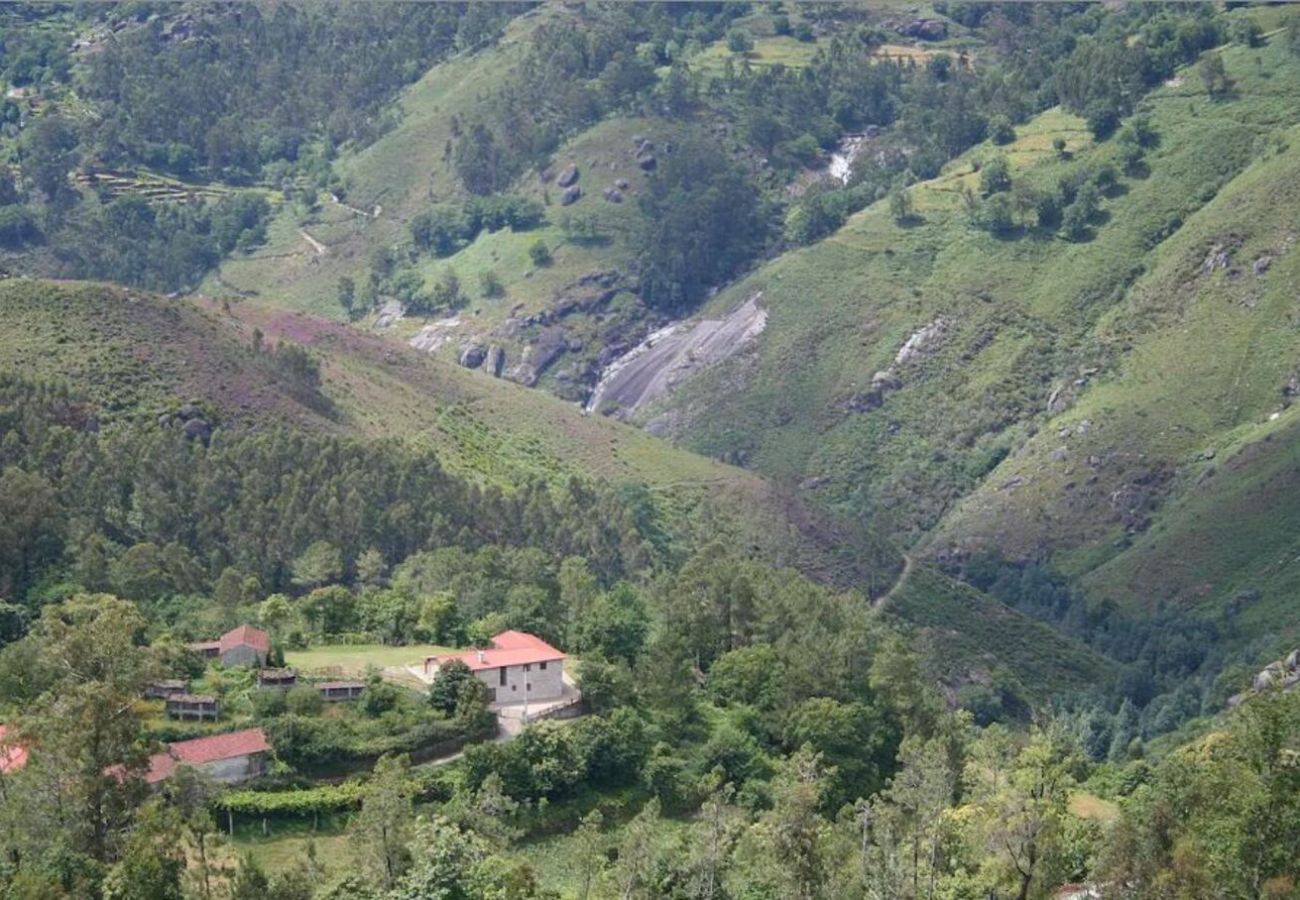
x,y
316,245
898,582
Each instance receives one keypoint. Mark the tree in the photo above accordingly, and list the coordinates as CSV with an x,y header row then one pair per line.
x,y
31,529
1078,216
589,851
539,253
48,151
275,613
792,830
739,41
446,293
383,828
614,625
153,862
701,219
1022,793
347,294
851,739
445,691
995,176
250,881
479,161
636,853
900,204
89,771
320,564
1214,76
490,284
192,794
753,675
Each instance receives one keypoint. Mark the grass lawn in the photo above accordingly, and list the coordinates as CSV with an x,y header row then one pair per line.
x,y
288,843
1090,806
354,659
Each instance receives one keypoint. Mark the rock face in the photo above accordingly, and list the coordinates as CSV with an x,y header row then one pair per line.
x,y
569,176
924,30
494,361
197,430
673,355
571,195
472,355
539,356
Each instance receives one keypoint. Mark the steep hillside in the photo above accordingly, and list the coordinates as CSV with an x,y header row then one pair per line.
x,y
142,355
905,357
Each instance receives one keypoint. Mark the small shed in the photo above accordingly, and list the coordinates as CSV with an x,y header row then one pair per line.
x,y
229,758
277,679
197,707
339,691
167,687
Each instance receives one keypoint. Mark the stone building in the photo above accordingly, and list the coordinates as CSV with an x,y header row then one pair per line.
x,y
517,667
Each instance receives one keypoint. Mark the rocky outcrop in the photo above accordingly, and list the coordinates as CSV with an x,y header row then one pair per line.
x,y
569,176
571,195
918,346
495,360
191,420
472,355
613,195
924,29
539,355
673,355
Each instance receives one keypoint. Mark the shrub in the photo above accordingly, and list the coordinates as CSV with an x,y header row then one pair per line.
x,y
17,225
489,283
1001,131
304,700
539,253
995,177
739,41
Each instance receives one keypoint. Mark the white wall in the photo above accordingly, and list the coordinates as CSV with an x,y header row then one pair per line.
x,y
240,768
543,684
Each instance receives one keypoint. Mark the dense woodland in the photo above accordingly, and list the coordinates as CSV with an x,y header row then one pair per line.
x,y
751,733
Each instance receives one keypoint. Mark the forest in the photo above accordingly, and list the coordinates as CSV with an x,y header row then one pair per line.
x,y
1010,708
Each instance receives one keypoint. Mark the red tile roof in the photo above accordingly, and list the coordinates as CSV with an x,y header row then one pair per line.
x,y
509,648
206,750
246,634
12,756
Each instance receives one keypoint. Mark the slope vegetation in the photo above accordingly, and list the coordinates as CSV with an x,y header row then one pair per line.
x,y
1049,397
140,355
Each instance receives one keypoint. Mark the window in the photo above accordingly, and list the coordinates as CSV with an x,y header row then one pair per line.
x,y
514,687
542,666
528,668
502,670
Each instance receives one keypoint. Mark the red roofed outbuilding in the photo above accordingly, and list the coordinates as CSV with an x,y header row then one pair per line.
x,y
230,758
242,646
517,666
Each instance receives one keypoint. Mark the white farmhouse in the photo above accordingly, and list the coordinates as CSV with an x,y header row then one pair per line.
x,y
517,667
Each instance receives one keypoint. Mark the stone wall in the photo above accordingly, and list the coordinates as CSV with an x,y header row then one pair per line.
x,y
543,684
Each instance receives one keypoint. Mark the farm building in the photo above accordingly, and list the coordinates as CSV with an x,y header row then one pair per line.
x,y
516,667
277,679
242,646
338,691
168,687
199,707
229,758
